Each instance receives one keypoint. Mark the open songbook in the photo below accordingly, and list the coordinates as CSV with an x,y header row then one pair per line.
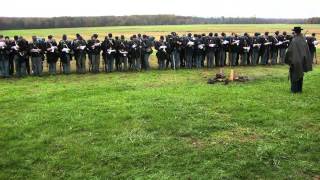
x,y
225,42
282,42
66,50
201,46
163,47
82,47
267,43
190,43
16,47
111,51
95,45
35,50
315,43
52,49
256,45
236,42
212,45
246,49
124,53
2,45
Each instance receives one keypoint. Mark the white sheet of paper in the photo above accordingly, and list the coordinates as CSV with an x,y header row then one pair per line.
x,y
225,42
246,48
2,44
67,50
15,47
279,43
190,43
35,50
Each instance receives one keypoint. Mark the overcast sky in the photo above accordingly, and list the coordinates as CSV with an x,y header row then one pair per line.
x,y
202,8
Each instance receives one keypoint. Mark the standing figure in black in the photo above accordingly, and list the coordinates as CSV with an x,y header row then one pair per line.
x,y
36,51
109,52
312,42
80,50
162,54
65,54
299,59
52,55
94,48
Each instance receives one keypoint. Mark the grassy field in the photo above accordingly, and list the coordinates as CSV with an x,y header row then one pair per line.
x,y
160,125
159,30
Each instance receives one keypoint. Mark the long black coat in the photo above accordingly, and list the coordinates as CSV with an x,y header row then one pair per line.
x,y
298,57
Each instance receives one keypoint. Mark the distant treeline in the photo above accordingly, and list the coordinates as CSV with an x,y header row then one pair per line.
x,y
68,22
314,20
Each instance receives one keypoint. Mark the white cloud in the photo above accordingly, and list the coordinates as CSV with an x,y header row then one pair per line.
x,y
202,8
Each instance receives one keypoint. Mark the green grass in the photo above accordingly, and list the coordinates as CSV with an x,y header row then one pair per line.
x,y
160,125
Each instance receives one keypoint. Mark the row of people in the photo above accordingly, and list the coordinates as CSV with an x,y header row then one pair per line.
x,y
194,50
173,51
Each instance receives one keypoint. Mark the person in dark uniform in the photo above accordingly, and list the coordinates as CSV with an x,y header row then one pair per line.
x,y
80,50
52,55
117,54
28,67
217,53
265,49
312,42
135,53
123,53
146,44
36,50
198,51
210,50
189,45
109,51
4,57
224,49
131,53
65,54
161,46
274,50
244,49
249,40
9,56
182,52
12,54
235,41
256,44
175,45
22,49
299,59
203,52
94,49
283,45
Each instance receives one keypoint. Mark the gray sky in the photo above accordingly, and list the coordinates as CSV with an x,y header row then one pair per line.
x,y
201,8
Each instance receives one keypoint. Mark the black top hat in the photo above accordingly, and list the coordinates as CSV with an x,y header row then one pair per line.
x,y
297,29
